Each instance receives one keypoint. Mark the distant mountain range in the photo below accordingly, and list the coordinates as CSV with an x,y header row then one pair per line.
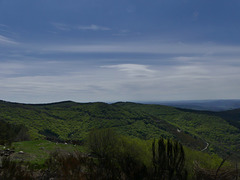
x,y
206,105
73,121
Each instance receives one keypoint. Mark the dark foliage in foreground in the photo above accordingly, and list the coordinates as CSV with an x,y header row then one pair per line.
x,y
219,174
11,170
62,165
115,158
168,160
76,166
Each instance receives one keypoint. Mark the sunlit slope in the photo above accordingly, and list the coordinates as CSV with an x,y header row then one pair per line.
x,y
69,120
73,121
211,127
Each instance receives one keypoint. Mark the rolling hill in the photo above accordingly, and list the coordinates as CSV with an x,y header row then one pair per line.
x,y
203,105
73,121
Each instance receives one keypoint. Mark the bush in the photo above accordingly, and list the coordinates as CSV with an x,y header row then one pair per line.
x,y
63,165
116,157
14,170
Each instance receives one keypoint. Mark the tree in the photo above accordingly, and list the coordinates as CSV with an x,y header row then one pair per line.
x,y
117,157
168,160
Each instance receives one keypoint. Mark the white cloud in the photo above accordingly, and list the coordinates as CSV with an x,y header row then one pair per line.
x,y
3,25
134,70
144,47
186,58
55,81
10,68
93,27
123,32
4,40
4,28
61,26
184,71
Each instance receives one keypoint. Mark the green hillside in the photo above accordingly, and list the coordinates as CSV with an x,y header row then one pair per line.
x,y
213,127
73,121
232,116
10,133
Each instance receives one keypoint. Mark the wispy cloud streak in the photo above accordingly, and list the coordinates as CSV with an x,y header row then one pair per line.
x,y
92,27
61,26
8,41
144,47
133,70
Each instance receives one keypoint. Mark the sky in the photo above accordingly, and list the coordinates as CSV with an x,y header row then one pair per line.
x,y
111,50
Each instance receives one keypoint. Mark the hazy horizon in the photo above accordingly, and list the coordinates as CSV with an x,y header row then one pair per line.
x,y
143,102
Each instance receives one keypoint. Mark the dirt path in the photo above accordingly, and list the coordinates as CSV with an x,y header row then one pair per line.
x,y
205,147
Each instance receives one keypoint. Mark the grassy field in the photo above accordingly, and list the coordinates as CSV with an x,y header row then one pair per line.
x,y
37,151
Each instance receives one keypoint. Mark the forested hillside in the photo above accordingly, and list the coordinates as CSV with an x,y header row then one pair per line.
x,y
214,127
73,121
10,132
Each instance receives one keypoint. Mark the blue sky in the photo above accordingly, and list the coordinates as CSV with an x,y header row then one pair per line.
x,y
128,50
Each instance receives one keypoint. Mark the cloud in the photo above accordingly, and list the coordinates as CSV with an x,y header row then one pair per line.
x,y
169,71
93,27
61,26
48,81
3,25
66,27
186,58
4,40
10,68
123,32
144,47
133,70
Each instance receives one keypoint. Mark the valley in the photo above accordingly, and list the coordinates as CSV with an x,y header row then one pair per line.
x,y
70,121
